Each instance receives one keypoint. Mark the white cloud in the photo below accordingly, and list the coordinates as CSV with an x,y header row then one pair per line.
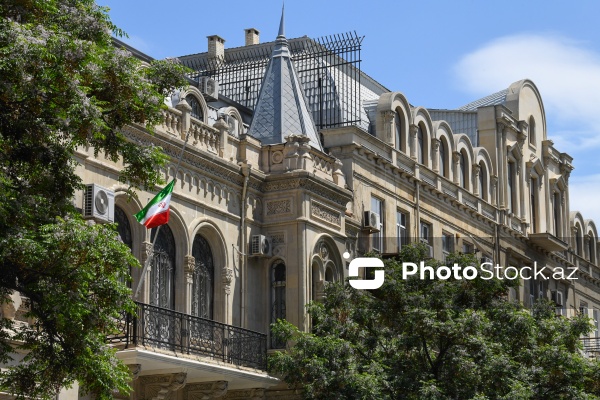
x,y
566,73
584,195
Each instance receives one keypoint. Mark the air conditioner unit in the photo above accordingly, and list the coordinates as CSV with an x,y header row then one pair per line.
x,y
430,251
260,246
371,221
209,87
98,203
486,260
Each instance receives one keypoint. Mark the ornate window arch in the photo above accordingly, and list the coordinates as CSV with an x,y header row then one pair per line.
x,y
203,279
162,273
278,292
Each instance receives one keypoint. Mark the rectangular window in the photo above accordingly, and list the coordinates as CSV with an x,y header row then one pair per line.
x,y
447,244
596,322
467,248
426,233
377,237
401,232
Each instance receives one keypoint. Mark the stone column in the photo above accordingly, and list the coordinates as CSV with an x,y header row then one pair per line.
x,y
186,110
494,189
144,295
413,141
476,171
389,128
456,167
435,156
189,265
501,166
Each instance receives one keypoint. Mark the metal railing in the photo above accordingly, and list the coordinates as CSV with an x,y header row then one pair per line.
x,y
171,330
591,346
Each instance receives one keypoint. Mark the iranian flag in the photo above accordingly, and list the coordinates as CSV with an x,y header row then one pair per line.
x,y
156,213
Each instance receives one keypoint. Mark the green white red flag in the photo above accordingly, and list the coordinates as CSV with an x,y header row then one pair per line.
x,y
157,211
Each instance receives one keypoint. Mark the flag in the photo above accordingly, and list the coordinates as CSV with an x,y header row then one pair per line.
x,y
156,212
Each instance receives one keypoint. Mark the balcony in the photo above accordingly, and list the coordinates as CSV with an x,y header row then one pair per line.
x,y
591,346
185,334
547,241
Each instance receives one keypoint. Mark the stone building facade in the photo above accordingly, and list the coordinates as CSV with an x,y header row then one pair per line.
x,y
266,204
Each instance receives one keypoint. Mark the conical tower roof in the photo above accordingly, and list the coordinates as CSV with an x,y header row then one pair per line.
x,y
282,109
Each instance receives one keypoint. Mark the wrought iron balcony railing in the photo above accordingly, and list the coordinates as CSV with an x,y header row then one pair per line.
x,y
171,330
591,346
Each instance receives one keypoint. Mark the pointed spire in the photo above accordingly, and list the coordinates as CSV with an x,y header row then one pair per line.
x,y
282,23
282,109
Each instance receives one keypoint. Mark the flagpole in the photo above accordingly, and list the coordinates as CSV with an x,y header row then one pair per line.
x,y
151,255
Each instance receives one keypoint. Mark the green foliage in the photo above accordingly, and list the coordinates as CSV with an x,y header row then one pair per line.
x,y
435,339
64,86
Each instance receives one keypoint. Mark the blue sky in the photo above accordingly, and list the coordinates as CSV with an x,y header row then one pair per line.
x,y
440,54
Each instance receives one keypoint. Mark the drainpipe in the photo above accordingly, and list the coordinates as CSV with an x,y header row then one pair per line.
x,y
245,170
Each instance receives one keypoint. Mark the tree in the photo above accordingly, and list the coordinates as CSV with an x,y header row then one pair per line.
x,y
435,339
64,85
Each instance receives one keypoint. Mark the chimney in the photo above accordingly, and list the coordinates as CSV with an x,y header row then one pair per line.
x,y
252,36
216,47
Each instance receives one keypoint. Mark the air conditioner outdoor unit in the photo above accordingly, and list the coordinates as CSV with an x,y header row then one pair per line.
x,y
371,221
430,251
487,260
98,203
209,87
260,246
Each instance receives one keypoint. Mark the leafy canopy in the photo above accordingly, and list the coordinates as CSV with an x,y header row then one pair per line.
x,y
435,339
64,86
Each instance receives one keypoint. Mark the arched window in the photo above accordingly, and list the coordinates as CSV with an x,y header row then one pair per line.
x,y
510,186
123,226
532,130
443,158
592,249
557,214
329,275
463,169
203,279
196,107
398,129
482,181
534,204
420,145
277,298
162,274
124,230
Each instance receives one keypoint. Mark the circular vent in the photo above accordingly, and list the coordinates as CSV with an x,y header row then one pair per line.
x,y
373,220
265,246
210,86
101,202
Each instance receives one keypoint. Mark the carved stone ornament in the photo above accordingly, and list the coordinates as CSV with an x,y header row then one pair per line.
x,y
326,214
277,157
277,207
161,387
227,274
246,394
206,390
